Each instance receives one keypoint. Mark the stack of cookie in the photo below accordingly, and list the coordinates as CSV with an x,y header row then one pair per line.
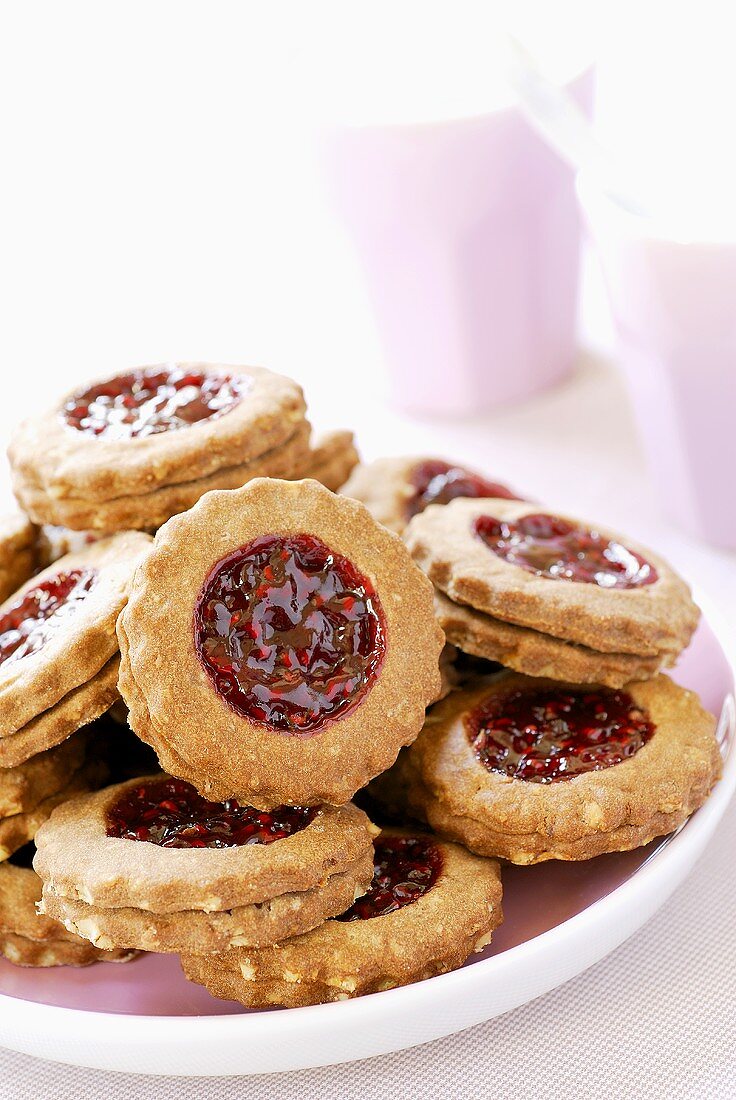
x,y
280,649
548,595
29,939
131,451
268,654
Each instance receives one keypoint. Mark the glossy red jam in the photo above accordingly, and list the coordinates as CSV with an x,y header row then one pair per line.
x,y
551,734
153,400
551,547
404,869
171,813
290,633
438,482
31,619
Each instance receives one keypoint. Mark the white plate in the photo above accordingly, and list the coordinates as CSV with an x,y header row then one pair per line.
x,y
144,1018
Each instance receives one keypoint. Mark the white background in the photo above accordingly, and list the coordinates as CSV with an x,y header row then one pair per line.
x,y
159,199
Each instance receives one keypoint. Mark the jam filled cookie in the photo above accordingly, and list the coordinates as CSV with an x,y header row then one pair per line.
x,y
530,770
430,906
556,576
17,553
58,648
394,490
151,864
279,646
331,459
133,450
29,939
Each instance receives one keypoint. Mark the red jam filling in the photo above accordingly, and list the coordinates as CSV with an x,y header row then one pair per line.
x,y
153,400
438,482
171,813
28,623
291,635
548,735
404,869
551,547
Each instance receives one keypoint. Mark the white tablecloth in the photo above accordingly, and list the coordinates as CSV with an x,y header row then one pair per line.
x,y
655,1019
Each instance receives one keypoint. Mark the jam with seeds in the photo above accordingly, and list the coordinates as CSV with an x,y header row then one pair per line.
x,y
551,734
438,482
290,633
404,869
171,813
552,547
153,400
30,620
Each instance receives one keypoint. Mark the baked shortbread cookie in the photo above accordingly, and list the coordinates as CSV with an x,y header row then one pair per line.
x,y
18,829
135,449
396,489
279,646
536,654
555,575
23,787
28,939
150,864
58,647
17,552
530,770
331,459
430,906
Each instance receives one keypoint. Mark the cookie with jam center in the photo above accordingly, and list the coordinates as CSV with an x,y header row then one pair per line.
x,y
279,646
394,490
530,567
58,647
151,864
131,450
528,769
430,905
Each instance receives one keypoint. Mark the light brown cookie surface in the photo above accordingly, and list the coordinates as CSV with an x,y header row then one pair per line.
x,y
24,786
456,908
533,804
329,652
638,606
535,654
58,631
17,552
396,489
50,454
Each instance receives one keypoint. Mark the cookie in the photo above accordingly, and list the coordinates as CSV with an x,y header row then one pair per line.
x,y
396,489
17,552
76,709
331,459
536,654
54,542
99,456
24,786
151,864
530,770
147,511
28,939
17,829
430,906
555,575
305,637
57,634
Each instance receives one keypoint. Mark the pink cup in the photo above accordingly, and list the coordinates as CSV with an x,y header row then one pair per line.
x,y
673,304
468,235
